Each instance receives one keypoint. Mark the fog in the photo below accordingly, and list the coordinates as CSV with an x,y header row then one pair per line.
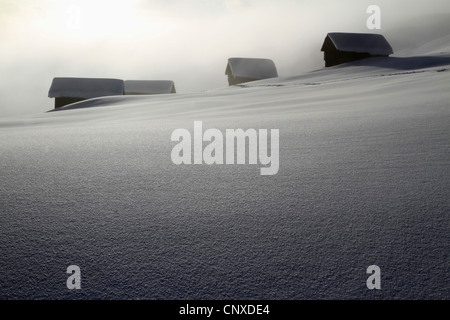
x,y
187,41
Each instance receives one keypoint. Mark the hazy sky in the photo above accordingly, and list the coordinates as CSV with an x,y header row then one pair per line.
x,y
187,41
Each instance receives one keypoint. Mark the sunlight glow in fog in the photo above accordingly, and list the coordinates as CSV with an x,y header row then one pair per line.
x,y
94,20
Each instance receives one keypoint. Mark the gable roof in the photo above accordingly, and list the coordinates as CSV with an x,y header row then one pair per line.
x,y
85,87
370,43
148,86
251,68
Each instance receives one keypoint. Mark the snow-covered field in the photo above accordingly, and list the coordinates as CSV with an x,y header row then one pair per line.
x,y
364,180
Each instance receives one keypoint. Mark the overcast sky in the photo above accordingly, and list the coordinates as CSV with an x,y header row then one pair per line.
x,y
187,41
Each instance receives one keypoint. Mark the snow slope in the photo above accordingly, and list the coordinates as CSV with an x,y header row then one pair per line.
x,y
363,180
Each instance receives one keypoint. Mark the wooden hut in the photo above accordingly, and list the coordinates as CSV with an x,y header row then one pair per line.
x,y
240,70
71,90
138,87
340,47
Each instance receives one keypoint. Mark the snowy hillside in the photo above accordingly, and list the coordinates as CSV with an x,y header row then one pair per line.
x,y
363,180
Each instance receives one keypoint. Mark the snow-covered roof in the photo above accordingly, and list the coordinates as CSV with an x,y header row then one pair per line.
x,y
148,86
370,43
85,87
251,68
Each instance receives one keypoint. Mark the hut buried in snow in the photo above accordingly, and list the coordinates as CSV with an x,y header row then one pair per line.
x,y
71,90
135,87
240,70
341,47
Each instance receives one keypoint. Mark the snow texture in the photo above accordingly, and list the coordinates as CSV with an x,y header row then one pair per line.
x,y
374,44
364,180
148,87
251,68
85,87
